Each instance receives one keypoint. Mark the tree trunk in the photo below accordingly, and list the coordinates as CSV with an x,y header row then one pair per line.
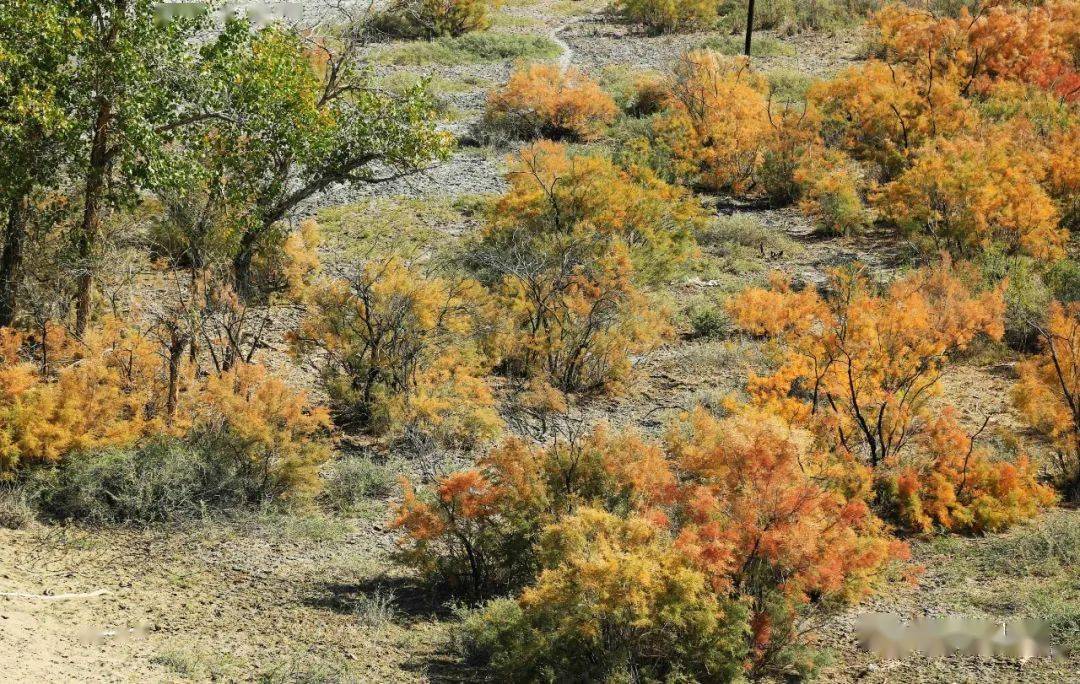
x,y
176,353
11,260
91,221
749,26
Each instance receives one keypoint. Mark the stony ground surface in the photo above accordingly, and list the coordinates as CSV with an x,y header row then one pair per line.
x,y
314,597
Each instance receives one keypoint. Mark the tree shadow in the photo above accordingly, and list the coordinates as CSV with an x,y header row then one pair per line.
x,y
410,600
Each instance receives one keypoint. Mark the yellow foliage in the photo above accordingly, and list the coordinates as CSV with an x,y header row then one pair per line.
x,y
269,428
396,348
1048,389
970,191
717,121
545,100
860,366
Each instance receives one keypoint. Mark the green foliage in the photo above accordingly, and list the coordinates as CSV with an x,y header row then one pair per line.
x,y
668,16
1063,278
760,46
354,478
288,123
791,16
788,85
163,481
473,48
1027,297
433,18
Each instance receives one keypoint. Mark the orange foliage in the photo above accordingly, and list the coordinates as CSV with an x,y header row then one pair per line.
x,y
882,113
1034,44
861,365
959,488
545,100
968,192
1048,391
750,508
395,348
717,121
111,389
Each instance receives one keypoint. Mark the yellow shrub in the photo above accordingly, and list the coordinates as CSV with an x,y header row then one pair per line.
x,y
969,192
829,186
544,100
717,123
270,430
560,254
396,348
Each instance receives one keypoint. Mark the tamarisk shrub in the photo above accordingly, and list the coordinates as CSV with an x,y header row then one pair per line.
x,y
698,556
397,347
561,254
862,363
545,100
970,192
435,18
957,486
1046,393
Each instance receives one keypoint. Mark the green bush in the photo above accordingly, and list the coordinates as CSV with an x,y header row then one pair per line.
x,y
353,478
760,46
790,16
472,48
433,18
1027,298
709,320
1063,279
668,16
166,480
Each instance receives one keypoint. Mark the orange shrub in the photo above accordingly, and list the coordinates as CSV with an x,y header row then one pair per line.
x,y
1063,175
545,100
1048,391
739,518
829,184
1033,44
957,486
882,113
271,431
717,124
861,365
970,192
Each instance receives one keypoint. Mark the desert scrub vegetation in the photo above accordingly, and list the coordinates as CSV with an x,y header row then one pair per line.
x,y
667,16
547,101
571,522
567,251
432,19
471,48
860,366
397,348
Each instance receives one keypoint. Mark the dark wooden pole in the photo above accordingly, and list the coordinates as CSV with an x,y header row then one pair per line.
x,y
749,26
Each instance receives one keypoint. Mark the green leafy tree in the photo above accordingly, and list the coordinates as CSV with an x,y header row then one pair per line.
x,y
284,117
37,129
131,73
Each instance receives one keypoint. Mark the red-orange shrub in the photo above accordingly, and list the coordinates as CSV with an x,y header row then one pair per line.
x,y
957,486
